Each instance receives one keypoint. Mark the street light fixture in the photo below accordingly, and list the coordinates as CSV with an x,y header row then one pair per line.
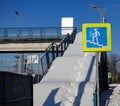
x,y
17,14
98,8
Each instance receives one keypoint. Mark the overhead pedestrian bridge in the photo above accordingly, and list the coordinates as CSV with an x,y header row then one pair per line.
x,y
31,39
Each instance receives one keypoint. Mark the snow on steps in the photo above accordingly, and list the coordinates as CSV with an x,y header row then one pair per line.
x,y
70,80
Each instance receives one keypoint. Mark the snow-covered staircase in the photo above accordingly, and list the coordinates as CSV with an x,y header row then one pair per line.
x,y
70,80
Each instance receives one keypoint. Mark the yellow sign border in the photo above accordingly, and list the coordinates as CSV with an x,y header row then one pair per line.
x,y
107,25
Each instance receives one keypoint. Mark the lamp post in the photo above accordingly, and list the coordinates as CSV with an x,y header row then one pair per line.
x,y
103,54
97,54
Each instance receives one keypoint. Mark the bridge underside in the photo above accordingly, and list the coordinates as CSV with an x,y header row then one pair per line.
x,y
33,45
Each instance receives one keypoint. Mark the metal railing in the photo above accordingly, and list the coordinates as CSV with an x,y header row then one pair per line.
x,y
19,33
54,51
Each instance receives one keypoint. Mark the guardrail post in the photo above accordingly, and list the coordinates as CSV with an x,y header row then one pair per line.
x,y
64,45
68,42
48,60
57,51
42,67
53,52
61,48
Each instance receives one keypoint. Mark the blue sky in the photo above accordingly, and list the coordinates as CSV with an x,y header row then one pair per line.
x,y
48,13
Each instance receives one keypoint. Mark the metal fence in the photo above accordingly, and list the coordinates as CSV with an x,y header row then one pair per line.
x,y
16,89
33,32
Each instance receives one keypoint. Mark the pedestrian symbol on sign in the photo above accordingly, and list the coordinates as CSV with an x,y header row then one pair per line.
x,y
95,36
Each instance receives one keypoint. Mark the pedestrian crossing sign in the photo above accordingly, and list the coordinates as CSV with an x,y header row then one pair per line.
x,y
96,37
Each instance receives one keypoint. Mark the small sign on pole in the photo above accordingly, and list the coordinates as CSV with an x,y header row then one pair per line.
x,y
109,75
96,37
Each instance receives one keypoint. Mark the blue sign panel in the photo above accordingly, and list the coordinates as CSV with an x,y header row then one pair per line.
x,y
96,37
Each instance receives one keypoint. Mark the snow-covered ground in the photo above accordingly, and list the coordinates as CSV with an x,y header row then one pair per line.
x,y
111,97
70,80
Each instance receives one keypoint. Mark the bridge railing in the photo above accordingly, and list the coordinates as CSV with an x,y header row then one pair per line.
x,y
33,32
54,51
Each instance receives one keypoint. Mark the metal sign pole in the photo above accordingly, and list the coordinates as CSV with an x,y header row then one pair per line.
x,y
97,79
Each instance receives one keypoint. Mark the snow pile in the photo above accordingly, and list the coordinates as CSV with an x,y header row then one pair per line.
x,y
115,97
70,81
111,97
